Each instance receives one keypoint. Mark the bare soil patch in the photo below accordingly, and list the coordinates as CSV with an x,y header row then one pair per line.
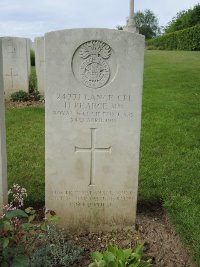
x,y
153,230
11,104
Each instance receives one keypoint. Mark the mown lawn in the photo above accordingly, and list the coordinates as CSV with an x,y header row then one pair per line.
x,y
170,147
25,149
170,143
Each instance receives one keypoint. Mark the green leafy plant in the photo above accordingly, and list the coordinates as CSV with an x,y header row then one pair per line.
x,y
11,234
19,236
42,257
20,96
19,259
116,257
15,225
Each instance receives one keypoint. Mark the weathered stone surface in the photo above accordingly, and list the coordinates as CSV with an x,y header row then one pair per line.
x,y
32,45
93,89
16,64
3,164
40,62
28,51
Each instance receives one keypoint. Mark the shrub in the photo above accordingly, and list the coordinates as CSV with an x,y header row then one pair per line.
x,y
56,250
188,39
20,96
116,257
32,57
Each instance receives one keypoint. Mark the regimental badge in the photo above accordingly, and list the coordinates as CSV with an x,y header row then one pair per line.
x,y
94,70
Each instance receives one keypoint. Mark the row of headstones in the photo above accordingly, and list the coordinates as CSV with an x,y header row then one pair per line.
x,y
16,64
93,93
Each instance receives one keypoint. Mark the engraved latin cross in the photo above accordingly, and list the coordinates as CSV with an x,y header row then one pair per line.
x,y
12,75
92,150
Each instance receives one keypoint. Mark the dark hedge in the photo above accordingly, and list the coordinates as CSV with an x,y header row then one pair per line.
x,y
188,39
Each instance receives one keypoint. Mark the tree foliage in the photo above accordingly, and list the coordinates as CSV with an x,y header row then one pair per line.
x,y
184,19
147,23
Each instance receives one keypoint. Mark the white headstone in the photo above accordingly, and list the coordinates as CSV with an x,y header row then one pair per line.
x,y
93,89
40,63
3,166
16,64
28,51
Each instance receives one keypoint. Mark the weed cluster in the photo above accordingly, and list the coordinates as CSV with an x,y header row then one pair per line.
x,y
116,257
26,243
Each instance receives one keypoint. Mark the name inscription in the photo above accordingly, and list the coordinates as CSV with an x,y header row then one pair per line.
x,y
95,108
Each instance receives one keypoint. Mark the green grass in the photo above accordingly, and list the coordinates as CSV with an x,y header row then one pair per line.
x,y
170,142
170,147
25,148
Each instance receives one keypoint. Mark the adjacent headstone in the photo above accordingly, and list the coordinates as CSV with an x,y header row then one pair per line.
x,y
28,51
40,63
93,89
16,64
3,168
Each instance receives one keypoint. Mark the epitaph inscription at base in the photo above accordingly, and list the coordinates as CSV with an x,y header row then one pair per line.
x,y
93,114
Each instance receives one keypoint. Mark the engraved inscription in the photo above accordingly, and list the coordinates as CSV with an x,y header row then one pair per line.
x,y
92,149
88,199
93,108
